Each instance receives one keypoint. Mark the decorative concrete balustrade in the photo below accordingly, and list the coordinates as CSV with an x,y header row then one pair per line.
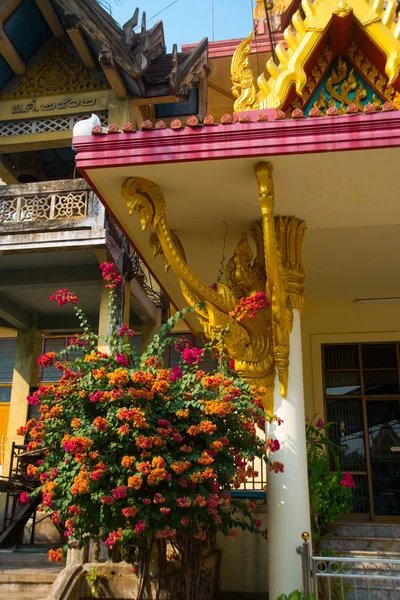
x,y
50,214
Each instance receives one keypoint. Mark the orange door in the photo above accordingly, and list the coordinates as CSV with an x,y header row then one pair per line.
x,y
4,412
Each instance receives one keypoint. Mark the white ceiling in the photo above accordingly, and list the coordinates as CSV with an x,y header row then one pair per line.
x,y
349,201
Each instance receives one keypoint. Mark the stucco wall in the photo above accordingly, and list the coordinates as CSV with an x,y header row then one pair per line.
x,y
341,321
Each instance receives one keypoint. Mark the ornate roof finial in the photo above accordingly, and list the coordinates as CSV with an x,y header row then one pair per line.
x,y
243,87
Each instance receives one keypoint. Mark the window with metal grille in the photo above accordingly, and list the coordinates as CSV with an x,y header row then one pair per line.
x,y
362,399
56,344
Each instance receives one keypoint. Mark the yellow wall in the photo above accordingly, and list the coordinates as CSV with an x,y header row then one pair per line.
x,y
341,321
5,332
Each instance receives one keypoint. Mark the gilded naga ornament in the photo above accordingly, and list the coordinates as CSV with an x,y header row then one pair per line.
x,y
283,238
243,87
259,345
249,342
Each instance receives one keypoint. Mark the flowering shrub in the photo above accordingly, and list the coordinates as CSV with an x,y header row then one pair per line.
x,y
140,452
330,490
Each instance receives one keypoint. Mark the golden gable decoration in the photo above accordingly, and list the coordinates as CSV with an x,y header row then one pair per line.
x,y
59,72
377,19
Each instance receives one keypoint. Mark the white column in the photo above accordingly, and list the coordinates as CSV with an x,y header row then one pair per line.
x,y
287,493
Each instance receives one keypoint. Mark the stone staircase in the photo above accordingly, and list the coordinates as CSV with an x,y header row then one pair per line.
x,y
26,575
367,540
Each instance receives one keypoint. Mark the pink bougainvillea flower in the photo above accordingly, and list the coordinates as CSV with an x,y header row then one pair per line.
x,y
139,527
124,330
347,481
47,360
64,296
109,273
24,498
320,423
176,373
107,500
122,360
249,307
192,356
120,492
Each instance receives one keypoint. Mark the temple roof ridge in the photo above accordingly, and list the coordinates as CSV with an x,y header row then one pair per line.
x,y
302,37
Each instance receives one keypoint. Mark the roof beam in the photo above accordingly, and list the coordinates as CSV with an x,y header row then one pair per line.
x,y
7,8
45,276
71,24
10,54
220,90
50,17
14,314
145,309
112,73
7,171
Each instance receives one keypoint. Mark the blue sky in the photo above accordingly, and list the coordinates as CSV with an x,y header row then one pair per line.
x,y
187,21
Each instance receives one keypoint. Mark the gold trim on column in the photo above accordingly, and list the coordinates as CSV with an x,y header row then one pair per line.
x,y
283,237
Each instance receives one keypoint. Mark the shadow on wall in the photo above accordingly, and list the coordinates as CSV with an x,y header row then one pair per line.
x,y
244,564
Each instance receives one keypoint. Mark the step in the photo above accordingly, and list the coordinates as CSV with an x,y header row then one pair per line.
x,y
11,559
356,530
27,584
371,544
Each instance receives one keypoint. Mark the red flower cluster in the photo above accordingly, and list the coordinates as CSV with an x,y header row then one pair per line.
x,y
56,555
347,481
47,360
124,330
110,273
64,296
192,356
249,307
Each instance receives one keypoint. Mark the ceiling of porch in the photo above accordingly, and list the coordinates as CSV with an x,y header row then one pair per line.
x,y
348,200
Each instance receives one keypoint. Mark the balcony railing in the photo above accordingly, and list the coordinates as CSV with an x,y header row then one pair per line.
x,y
50,213
45,207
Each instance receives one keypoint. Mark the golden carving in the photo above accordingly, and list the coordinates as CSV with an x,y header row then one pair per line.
x,y
304,35
283,237
243,87
59,72
276,7
257,345
342,9
378,80
248,342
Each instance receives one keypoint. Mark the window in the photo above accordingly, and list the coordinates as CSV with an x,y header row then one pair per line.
x,y
172,357
7,360
362,399
56,344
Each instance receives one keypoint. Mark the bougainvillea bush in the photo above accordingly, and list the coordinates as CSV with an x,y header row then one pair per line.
x,y
141,454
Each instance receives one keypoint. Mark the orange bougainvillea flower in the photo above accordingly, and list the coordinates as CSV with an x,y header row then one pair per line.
x,y
135,482
119,377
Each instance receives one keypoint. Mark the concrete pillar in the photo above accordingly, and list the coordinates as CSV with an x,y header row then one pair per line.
x,y
287,493
25,375
148,331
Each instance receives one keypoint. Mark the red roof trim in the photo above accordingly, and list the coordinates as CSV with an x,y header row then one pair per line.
x,y
240,140
224,48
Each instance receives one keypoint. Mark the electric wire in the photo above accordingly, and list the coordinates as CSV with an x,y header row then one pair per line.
x,y
159,13
255,39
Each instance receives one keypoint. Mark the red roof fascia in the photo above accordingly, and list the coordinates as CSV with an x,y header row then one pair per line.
x,y
224,48
240,140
